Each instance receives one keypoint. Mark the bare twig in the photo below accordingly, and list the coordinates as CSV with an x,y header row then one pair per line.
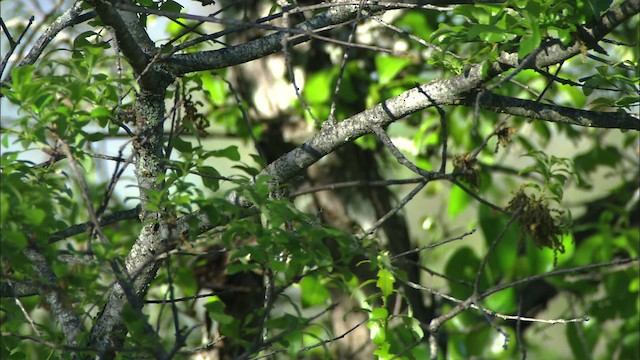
x,y
393,211
354,183
84,192
287,60
331,120
434,245
68,18
245,117
13,44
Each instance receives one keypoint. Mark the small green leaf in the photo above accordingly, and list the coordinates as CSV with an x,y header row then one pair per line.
x,y
215,306
414,325
313,292
385,282
216,88
22,75
170,5
35,216
181,145
318,89
458,201
230,153
382,352
101,112
210,177
389,66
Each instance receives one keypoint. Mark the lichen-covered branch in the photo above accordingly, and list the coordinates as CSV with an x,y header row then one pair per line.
x,y
68,320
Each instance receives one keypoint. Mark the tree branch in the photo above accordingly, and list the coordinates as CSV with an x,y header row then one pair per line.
x,y
555,113
106,220
68,320
133,40
251,50
18,289
68,18
438,92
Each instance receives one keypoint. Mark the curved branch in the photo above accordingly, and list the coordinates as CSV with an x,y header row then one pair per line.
x,y
438,92
555,113
251,50
133,40
68,320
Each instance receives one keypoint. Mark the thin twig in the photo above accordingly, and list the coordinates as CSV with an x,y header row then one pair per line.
x,y
354,183
292,75
245,117
434,245
84,193
331,120
12,44
393,211
382,135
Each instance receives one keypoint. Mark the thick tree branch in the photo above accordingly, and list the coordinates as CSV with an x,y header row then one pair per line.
x,y
133,40
438,92
18,289
156,235
555,113
239,54
68,320
555,53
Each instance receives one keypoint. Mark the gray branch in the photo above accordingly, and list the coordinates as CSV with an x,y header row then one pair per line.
x,y
106,220
255,49
560,114
133,40
449,91
68,320
19,289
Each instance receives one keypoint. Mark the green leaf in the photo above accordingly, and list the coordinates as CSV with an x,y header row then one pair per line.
x,y
416,23
385,282
172,6
181,145
531,41
101,112
583,340
230,152
414,325
389,66
377,332
22,75
473,12
35,216
382,352
313,292
216,88
215,306
489,33
463,265
210,177
458,201
505,253
318,89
